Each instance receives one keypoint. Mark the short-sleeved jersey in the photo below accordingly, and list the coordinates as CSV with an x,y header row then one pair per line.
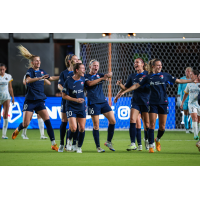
x,y
64,76
193,90
74,89
94,93
35,90
4,91
181,88
142,94
158,83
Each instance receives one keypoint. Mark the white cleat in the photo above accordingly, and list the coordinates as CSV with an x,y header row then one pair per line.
x,y
100,150
147,144
69,145
4,137
61,148
74,148
79,150
43,137
154,147
25,137
139,148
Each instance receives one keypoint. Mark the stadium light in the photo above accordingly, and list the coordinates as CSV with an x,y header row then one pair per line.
x,y
106,34
184,38
133,34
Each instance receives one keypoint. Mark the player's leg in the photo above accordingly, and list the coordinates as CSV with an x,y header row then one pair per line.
x,y
81,124
198,122
41,127
138,132
186,116
24,135
6,105
145,119
195,122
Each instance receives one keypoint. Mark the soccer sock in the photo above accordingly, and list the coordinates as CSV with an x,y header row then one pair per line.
x,y
5,126
50,130
159,135
96,137
20,127
190,122
132,132
151,137
195,129
111,129
186,122
75,136
68,132
62,132
71,134
24,131
81,138
138,136
41,126
146,134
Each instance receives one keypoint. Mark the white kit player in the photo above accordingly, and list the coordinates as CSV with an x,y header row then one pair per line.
x,y
6,92
193,89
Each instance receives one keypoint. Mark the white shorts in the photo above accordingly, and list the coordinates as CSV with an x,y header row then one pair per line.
x,y
194,109
2,101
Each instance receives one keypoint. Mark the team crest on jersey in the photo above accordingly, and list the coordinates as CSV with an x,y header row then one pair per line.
x,y
42,72
142,78
161,76
82,83
6,78
98,76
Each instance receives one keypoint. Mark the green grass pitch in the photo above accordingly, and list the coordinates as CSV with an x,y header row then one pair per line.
x,y
177,149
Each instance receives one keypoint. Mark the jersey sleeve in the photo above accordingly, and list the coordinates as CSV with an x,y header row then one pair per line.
x,y
170,79
61,79
10,78
29,73
101,75
86,78
144,81
128,82
187,89
65,88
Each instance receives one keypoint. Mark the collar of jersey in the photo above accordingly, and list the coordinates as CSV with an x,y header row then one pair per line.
x,y
93,75
70,71
77,80
37,70
140,73
156,74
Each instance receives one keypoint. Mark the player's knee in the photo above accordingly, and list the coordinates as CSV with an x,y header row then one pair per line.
x,y
112,121
152,125
147,124
162,127
73,129
82,129
5,115
132,120
96,126
25,124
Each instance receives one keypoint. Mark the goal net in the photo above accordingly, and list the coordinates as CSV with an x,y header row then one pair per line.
x,y
118,56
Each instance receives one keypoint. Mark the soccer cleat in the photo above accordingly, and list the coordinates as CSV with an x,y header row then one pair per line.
x,y
191,131
69,145
196,137
139,148
147,144
198,145
4,137
43,137
187,131
131,147
100,150
24,137
61,148
109,145
79,150
151,150
54,147
158,146
74,148
15,133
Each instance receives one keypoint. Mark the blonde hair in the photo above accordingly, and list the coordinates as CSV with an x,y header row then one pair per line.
x,y
67,58
145,67
26,54
150,65
190,68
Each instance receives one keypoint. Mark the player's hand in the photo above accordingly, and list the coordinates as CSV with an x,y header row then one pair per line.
x,y
80,100
181,106
178,103
109,74
105,78
13,101
46,76
119,82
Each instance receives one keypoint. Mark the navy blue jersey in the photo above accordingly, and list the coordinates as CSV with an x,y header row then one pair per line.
x,y
158,83
74,89
94,93
64,76
35,90
142,94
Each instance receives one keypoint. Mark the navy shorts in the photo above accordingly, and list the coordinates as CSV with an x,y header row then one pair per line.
x,y
34,105
159,109
99,108
73,113
63,106
141,108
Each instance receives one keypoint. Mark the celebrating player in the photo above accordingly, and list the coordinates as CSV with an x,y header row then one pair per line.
x,y
158,102
6,92
181,88
193,89
139,102
34,99
97,104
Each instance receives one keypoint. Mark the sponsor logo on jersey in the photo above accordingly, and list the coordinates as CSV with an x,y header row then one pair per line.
x,y
161,76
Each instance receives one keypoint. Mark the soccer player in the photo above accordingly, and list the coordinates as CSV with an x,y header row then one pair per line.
x,y
73,92
139,102
34,99
97,104
181,88
158,102
70,60
193,89
40,121
6,92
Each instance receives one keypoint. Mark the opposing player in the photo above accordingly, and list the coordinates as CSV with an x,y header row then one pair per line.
x,y
158,102
193,89
6,92
97,104
40,121
139,102
34,99
180,93
73,92
70,60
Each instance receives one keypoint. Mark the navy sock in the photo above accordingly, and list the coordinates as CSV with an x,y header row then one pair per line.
x,y
146,134
62,132
138,136
81,138
160,134
111,129
96,137
20,127
49,129
75,136
151,136
71,134
132,132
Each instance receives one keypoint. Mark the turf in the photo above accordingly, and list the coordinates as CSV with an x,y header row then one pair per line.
x,y
178,149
